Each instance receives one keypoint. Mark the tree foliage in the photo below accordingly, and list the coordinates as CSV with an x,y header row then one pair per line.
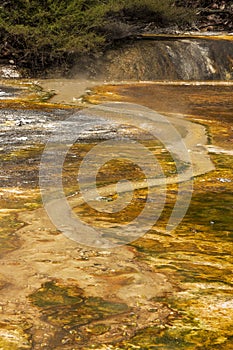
x,y
41,33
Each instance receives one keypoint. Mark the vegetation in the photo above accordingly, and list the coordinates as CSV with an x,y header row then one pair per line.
x,y
37,34
212,15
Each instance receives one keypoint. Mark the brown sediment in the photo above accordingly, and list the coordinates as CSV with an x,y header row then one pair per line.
x,y
143,283
207,103
68,91
199,99
31,95
114,275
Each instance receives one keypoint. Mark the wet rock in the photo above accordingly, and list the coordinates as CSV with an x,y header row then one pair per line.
x,y
9,72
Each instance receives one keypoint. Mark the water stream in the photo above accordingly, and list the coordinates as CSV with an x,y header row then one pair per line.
x,y
162,291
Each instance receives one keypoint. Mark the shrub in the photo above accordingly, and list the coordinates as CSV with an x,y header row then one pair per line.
x,y
162,12
42,33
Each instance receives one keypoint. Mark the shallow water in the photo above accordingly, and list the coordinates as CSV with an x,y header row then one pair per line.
x,y
199,254
8,92
196,258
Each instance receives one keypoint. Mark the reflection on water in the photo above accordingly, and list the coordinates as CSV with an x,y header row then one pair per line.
x,y
8,92
196,258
